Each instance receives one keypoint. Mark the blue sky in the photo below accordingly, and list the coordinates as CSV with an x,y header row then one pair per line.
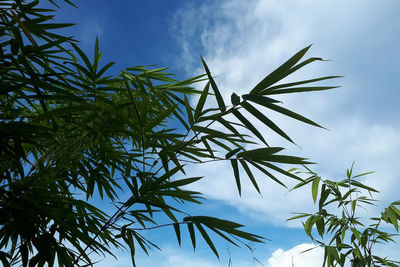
x,y
242,41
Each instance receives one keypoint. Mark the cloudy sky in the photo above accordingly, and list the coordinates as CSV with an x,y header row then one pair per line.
x,y
242,41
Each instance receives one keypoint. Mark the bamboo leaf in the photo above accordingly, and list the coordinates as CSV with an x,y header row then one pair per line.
x,y
261,100
97,55
292,114
248,125
314,188
104,69
300,215
286,85
267,173
236,174
392,217
250,175
218,95
207,238
177,232
179,183
85,59
235,99
188,111
202,100
280,72
232,152
259,153
256,113
297,90
192,234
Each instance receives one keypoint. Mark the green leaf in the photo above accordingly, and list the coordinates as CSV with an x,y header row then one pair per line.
x,y
261,100
279,73
202,100
297,90
189,111
256,113
392,217
362,174
300,215
395,210
150,124
129,240
211,132
218,95
192,234
97,55
282,171
286,85
232,152
353,205
292,114
259,153
177,232
356,233
360,185
179,183
267,173
320,224
236,174
104,69
235,99
324,196
309,224
84,58
248,125
4,258
24,254
207,238
287,159
250,175
314,188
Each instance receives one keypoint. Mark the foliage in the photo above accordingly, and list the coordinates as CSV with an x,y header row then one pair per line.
x,y
351,240
71,131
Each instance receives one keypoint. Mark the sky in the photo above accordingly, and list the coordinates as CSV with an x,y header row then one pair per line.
x,y
242,41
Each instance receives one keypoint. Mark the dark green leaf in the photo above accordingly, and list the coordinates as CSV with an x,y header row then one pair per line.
x,y
218,95
297,90
256,113
250,175
291,114
202,100
232,152
280,72
207,238
248,125
177,232
236,174
192,234
259,153
235,99
189,111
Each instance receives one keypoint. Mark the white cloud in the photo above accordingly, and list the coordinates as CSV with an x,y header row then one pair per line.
x,y
242,42
295,257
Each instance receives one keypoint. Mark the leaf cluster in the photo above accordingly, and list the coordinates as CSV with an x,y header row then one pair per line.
x,y
346,237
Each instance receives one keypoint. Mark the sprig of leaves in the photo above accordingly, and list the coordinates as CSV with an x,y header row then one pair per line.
x,y
346,238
